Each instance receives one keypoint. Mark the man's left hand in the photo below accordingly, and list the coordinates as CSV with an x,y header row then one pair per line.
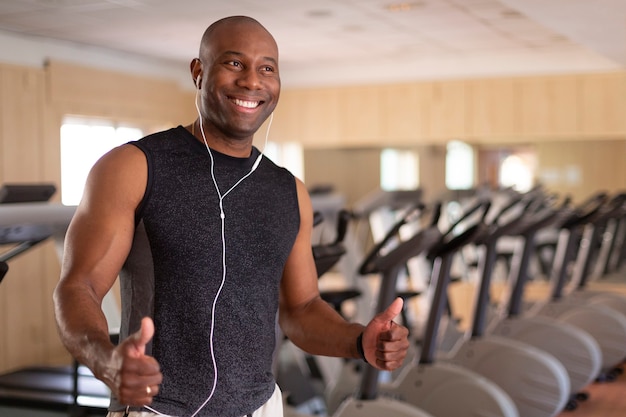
x,y
385,343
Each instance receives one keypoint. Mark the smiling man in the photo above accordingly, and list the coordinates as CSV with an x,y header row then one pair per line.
x,y
211,240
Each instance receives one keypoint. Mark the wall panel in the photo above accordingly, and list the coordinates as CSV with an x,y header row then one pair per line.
x,y
337,168
91,91
286,123
536,98
33,104
564,109
448,114
602,104
360,109
320,126
25,302
582,168
402,116
492,110
489,111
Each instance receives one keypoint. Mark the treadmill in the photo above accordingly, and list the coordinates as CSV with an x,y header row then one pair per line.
x,y
27,219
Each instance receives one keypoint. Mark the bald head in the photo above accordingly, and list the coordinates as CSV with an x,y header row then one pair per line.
x,y
228,25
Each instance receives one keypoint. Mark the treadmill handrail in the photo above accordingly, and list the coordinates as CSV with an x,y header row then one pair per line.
x,y
586,211
450,243
375,262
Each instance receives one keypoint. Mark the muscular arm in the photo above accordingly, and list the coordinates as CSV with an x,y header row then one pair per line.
x,y
317,328
97,243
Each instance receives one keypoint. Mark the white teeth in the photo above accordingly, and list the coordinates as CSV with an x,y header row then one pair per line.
x,y
247,104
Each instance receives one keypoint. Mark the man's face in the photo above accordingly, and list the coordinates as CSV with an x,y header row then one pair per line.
x,y
240,80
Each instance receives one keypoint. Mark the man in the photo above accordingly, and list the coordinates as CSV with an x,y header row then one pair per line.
x,y
210,239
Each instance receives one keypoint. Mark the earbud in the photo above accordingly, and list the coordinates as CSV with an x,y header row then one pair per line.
x,y
198,82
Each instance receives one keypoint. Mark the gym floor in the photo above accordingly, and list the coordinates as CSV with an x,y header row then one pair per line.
x,y
606,399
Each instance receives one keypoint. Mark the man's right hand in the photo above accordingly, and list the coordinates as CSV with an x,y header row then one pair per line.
x,y
137,375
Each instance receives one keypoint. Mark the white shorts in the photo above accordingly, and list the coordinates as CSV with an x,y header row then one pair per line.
x,y
272,408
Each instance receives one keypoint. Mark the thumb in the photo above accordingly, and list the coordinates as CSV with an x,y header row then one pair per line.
x,y
143,336
392,311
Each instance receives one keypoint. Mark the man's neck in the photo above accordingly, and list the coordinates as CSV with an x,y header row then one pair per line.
x,y
239,148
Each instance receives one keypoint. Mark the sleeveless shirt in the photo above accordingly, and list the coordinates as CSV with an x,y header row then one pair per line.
x,y
174,273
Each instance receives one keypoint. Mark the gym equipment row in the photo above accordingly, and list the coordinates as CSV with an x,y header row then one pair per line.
x,y
518,358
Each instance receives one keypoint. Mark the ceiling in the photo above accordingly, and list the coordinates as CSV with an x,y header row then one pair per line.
x,y
333,42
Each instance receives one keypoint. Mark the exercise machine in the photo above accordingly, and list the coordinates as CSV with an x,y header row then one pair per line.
x,y
365,402
605,324
26,220
576,349
535,380
371,218
442,389
593,254
302,376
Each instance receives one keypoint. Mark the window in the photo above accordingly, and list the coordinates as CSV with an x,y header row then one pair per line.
x,y
288,155
459,166
83,142
517,171
399,169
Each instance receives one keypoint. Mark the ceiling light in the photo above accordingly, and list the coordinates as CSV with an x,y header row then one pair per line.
x,y
403,6
320,13
511,14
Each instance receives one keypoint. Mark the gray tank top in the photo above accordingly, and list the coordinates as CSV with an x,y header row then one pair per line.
x,y
174,273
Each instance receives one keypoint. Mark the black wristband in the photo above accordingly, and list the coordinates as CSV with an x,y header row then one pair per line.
x,y
359,347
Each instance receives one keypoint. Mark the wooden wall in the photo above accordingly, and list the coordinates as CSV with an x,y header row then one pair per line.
x,y
33,104
507,110
24,298
575,123
581,168
546,114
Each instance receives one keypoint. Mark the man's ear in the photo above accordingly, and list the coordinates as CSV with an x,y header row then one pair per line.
x,y
196,71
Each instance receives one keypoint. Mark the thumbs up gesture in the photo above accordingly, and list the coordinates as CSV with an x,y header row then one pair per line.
x,y
385,343
137,375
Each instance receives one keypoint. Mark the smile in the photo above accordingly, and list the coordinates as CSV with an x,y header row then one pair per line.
x,y
246,104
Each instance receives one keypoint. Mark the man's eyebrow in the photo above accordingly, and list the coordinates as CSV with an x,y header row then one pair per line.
x,y
272,60
235,53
